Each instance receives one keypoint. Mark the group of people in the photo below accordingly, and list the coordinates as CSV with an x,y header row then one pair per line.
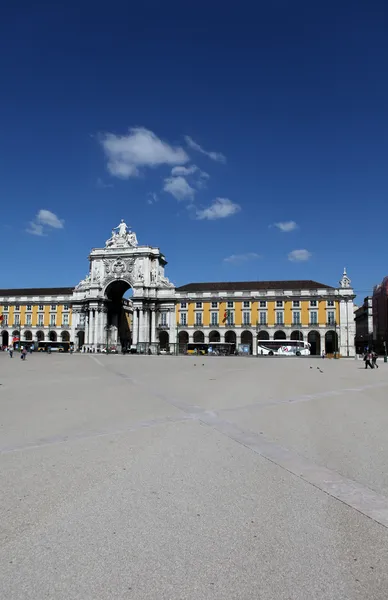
x,y
23,351
370,359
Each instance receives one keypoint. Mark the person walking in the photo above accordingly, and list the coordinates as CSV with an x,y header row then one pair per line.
x,y
368,360
374,360
10,351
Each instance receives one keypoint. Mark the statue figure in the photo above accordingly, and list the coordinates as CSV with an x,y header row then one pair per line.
x,y
123,238
122,229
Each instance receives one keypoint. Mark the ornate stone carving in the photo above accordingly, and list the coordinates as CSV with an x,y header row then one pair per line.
x,y
84,283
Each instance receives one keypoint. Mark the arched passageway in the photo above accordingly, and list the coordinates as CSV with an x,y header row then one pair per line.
x,y
65,336
314,339
28,336
118,329
214,336
183,337
80,339
53,336
199,337
40,336
4,338
279,335
297,335
247,340
164,340
263,335
331,342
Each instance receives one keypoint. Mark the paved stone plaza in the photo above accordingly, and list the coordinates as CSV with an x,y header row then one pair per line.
x,y
126,477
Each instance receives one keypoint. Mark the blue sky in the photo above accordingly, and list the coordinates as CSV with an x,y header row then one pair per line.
x,y
202,126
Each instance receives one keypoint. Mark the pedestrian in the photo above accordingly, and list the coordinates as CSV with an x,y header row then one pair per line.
x,y
368,360
323,354
23,353
374,360
10,351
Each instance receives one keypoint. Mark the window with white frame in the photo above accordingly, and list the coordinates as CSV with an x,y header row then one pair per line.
x,y
313,317
263,318
41,307
29,306
53,320
28,319
230,317
40,320
198,318
65,319
183,318
17,307
279,318
230,304
313,303
183,304
198,305
295,303
296,317
330,303
330,317
214,304
65,307
5,320
214,318
16,320
163,318
279,303
263,303
53,307
246,304
246,317
6,307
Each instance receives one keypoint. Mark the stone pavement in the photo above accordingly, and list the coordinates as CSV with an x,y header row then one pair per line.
x,y
126,477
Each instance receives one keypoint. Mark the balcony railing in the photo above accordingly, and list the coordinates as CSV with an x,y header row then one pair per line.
x,y
214,325
182,324
198,324
162,326
331,324
279,325
316,324
246,324
261,325
296,325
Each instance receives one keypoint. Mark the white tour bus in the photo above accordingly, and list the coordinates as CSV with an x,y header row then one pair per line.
x,y
283,347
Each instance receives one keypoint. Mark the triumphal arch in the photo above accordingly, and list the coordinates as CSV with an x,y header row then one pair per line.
x,y
102,316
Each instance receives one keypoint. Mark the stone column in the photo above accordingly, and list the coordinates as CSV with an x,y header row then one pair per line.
x,y
141,325
103,323
97,327
74,323
135,327
86,338
153,325
91,327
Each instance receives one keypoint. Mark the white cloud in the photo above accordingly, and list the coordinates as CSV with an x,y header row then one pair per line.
x,y
219,209
100,184
299,255
152,198
286,226
44,220
217,156
179,188
180,170
237,259
35,229
126,154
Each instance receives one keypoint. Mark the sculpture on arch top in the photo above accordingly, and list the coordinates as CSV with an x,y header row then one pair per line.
x,y
124,238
